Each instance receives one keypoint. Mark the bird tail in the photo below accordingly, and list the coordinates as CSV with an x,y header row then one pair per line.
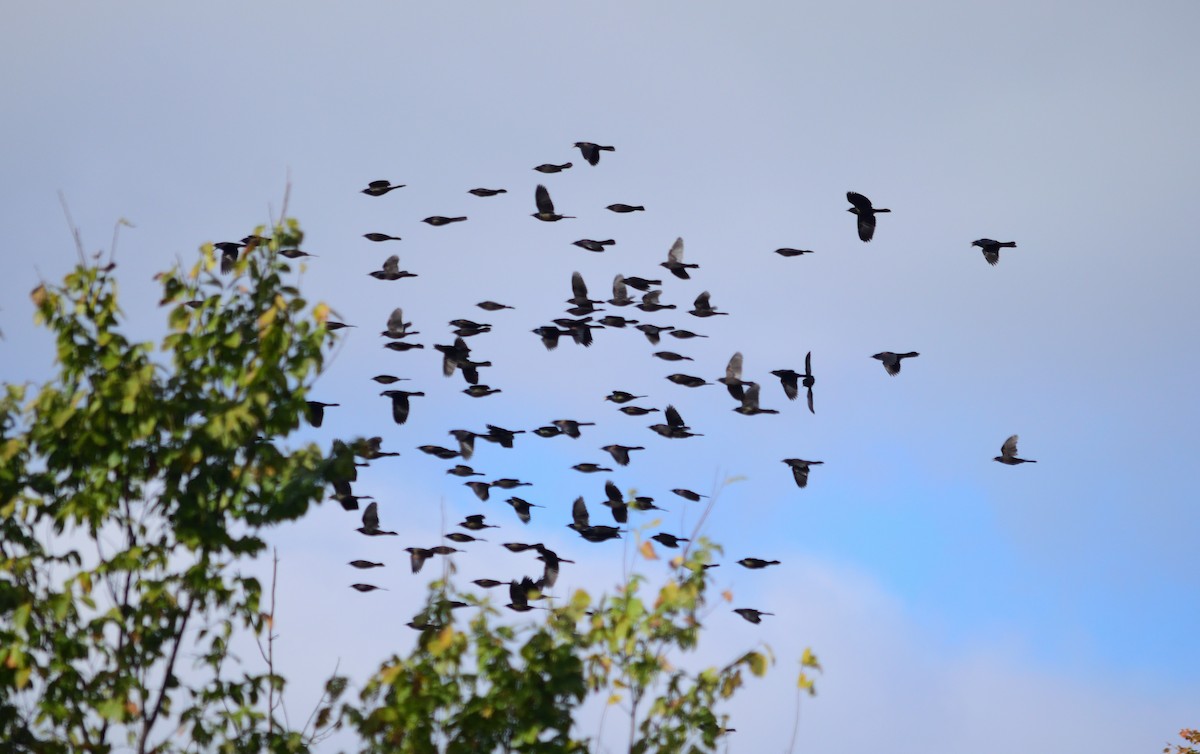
x,y
607,149
882,210
1009,245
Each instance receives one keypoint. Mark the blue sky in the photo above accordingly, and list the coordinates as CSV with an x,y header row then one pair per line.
x,y
948,596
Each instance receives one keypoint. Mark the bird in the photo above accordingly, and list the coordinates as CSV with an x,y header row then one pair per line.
x,y
688,380
791,381
590,468
675,263
551,168
464,471
688,494
486,191
579,295
755,563
636,410
481,391
229,254
391,270
590,245
365,564
891,361
548,431
620,396
591,152
417,557
749,405
612,320
1008,453
625,208
396,326
616,503
750,614
508,484
295,254
671,356
480,489
316,411
402,346
476,523
370,522
492,306
702,307
522,507
866,214
640,283
733,377
570,427
785,252
545,207
620,453
519,594
400,403
620,292
466,442
437,220
674,428
991,249
365,587
501,436
438,451
378,237
487,583
459,537
379,188
800,470
650,304
685,334
668,540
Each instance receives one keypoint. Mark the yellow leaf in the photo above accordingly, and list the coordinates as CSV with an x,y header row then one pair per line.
x,y
443,641
758,664
809,660
614,699
38,295
647,551
727,595
388,675
321,313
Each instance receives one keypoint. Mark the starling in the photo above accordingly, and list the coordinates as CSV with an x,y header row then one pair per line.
x,y
640,284
391,270
400,403
891,361
785,252
508,484
487,583
674,428
550,168
522,507
418,556
685,334
492,306
466,442
379,188
1008,453
750,614
480,489
866,214
590,468
316,411
703,308
755,563
675,263
365,564
370,521
464,471
800,470
650,304
570,427
991,249
438,221
620,396
476,523
460,538
671,356
545,207
590,245
636,410
365,587
733,377
687,380
400,346
387,379
688,494
749,405
486,191
591,152
377,237
625,208
438,451
668,540
481,391
620,453
612,320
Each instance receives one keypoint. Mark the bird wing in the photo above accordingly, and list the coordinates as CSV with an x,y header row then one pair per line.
x,y
810,402
370,517
578,287
790,387
866,226
800,473
613,492
733,370
808,364
542,197
859,201
992,255
620,292
590,152
400,408
579,512
1009,448
651,297
391,265
750,397
702,302
674,420
676,252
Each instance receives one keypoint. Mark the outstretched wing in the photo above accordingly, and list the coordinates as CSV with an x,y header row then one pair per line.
x,y
676,252
578,287
370,517
859,201
542,197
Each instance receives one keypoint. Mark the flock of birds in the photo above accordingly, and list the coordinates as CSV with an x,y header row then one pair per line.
x,y
579,327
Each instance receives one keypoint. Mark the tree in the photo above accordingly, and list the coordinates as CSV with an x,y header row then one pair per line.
x,y
135,483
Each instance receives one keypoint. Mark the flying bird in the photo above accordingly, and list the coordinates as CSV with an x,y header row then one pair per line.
x,y
991,249
674,428
379,188
750,614
377,237
591,152
750,405
545,207
625,208
675,263
492,306
785,252
486,191
866,214
370,522
437,220
316,411
703,308
800,470
1008,453
755,563
391,270
791,381
620,453
590,245
551,168
891,361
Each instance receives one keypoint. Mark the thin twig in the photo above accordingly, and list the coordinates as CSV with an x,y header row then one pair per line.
x,y
62,199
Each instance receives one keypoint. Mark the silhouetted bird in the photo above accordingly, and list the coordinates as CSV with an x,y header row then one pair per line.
x,y
570,427
620,453
438,451
488,583
365,564
549,335
616,503
508,484
750,614
391,270
401,346
591,152
640,284
750,405
438,220
417,557
522,508
229,254
400,403
636,410
589,468
791,381
370,522
316,411
668,540
891,361
501,436
550,168
492,306
547,431
687,380
476,523
365,587
332,325
755,563
688,494
866,214
387,379
785,252
579,295
674,428
519,594
733,377
620,292
1008,453
800,470
590,245
624,208
685,334
518,547
675,262
295,254
612,320
702,307
991,249
653,333
481,391
466,442
464,471
377,237
486,191
545,207
671,356
650,304
620,396
379,188
350,502
459,537
481,489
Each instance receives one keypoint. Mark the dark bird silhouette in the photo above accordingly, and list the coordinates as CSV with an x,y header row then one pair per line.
x,y
570,427
481,391
591,152
365,587
688,380
703,307
640,284
791,381
620,292
616,503
755,563
379,188
688,494
1008,453
438,451
518,547
350,502
800,470
481,489
685,334
625,208
551,168
654,333
785,252
550,570
464,471
636,410
438,221
519,594
370,522
476,523
579,295
891,361
590,245
545,207
643,503
671,356
296,254
400,403
492,306
866,214
331,325
488,583
371,448
466,442
365,564
650,303
612,320
229,254
668,540
733,377
674,428
675,263
549,431
453,355
486,191
417,557
401,346
750,614
459,537
316,411
501,436
549,335
750,405
391,270
378,237
620,396
589,468
620,453
387,379
991,249
582,524
522,507
509,484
